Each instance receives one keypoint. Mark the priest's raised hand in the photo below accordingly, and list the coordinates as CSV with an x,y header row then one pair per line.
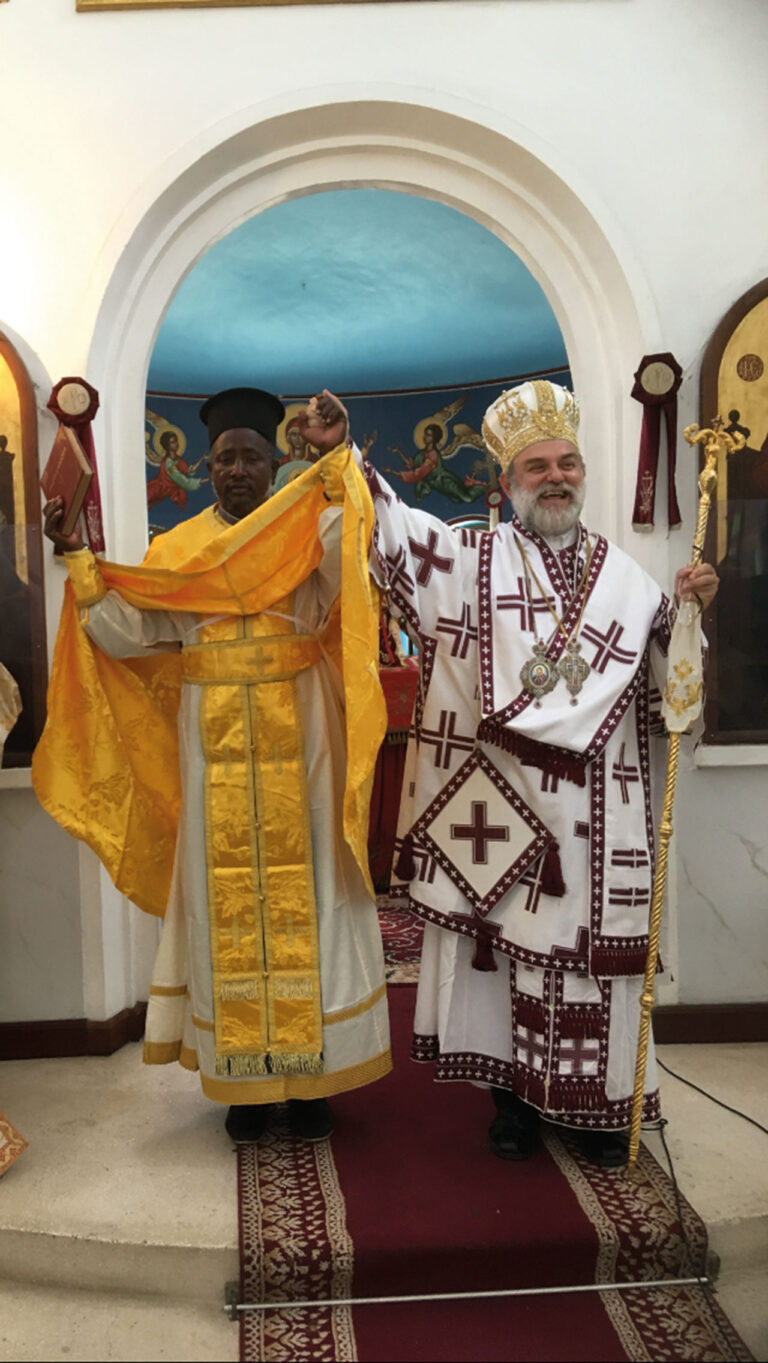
x,y
324,422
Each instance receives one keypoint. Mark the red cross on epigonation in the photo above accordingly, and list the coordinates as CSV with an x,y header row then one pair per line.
x,y
463,631
531,1046
445,740
398,571
528,608
429,558
607,645
479,832
624,774
576,1053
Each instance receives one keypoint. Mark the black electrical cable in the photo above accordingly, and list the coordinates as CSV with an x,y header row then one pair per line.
x,y
736,1111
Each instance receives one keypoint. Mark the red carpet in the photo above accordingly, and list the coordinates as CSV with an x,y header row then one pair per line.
x,y
430,1209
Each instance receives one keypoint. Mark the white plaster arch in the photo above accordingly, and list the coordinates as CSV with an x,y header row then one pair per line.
x,y
446,149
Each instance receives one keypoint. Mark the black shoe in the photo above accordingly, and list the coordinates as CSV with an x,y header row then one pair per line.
x,y
515,1132
310,1118
605,1149
248,1122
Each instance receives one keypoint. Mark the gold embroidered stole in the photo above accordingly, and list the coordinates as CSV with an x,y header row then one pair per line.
x,y
261,894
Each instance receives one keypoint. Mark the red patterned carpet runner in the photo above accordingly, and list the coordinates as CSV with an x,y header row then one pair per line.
x,y
402,934
406,1198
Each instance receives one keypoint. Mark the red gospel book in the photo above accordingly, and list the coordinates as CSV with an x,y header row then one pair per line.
x,y
67,475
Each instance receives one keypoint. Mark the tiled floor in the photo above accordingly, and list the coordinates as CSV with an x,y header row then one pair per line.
x,y
118,1224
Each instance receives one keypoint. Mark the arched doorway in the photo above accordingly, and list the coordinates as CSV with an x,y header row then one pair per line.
x,y
606,321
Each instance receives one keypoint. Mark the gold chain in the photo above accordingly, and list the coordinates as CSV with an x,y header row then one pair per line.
x,y
528,567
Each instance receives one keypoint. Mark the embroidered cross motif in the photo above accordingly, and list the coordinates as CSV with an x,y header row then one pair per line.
x,y
532,879
463,631
429,558
425,865
398,572
624,774
445,740
607,645
375,487
579,1056
633,857
630,897
580,948
479,832
531,1047
528,609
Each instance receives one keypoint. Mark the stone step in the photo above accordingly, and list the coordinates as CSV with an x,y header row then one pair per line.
x,y
79,1262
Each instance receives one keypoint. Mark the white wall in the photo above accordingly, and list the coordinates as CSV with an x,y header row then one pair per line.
x,y
652,113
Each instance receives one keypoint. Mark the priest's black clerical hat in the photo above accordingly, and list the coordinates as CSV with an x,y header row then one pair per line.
x,y
248,407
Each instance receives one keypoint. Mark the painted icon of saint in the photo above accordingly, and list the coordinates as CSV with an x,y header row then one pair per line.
x,y
426,470
165,450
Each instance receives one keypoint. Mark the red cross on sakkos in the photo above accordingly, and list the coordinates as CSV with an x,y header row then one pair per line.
x,y
607,646
429,558
528,608
463,631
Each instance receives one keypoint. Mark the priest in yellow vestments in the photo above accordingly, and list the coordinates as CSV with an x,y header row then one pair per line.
x,y
213,724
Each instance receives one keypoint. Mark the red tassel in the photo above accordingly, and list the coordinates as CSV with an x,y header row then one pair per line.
x,y
484,958
552,872
406,866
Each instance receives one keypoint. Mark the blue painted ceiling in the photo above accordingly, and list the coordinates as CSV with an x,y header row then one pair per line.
x,y
357,290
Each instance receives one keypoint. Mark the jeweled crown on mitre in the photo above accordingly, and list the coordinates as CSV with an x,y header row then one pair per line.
x,y
537,410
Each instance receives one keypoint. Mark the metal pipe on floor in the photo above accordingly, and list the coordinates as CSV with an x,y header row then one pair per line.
x,y
233,1306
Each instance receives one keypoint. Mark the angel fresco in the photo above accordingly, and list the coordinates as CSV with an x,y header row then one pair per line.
x,y
426,469
165,450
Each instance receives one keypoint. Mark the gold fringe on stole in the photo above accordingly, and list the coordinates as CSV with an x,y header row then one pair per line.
x,y
297,1064
238,1066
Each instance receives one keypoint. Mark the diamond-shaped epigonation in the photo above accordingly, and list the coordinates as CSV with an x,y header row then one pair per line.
x,y
481,832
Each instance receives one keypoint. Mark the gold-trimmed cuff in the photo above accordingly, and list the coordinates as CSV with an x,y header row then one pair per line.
x,y
85,576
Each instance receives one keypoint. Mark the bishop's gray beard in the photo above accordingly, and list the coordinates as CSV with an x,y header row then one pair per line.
x,y
548,516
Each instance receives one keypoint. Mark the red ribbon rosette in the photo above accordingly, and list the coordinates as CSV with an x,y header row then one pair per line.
x,y
657,381
75,403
